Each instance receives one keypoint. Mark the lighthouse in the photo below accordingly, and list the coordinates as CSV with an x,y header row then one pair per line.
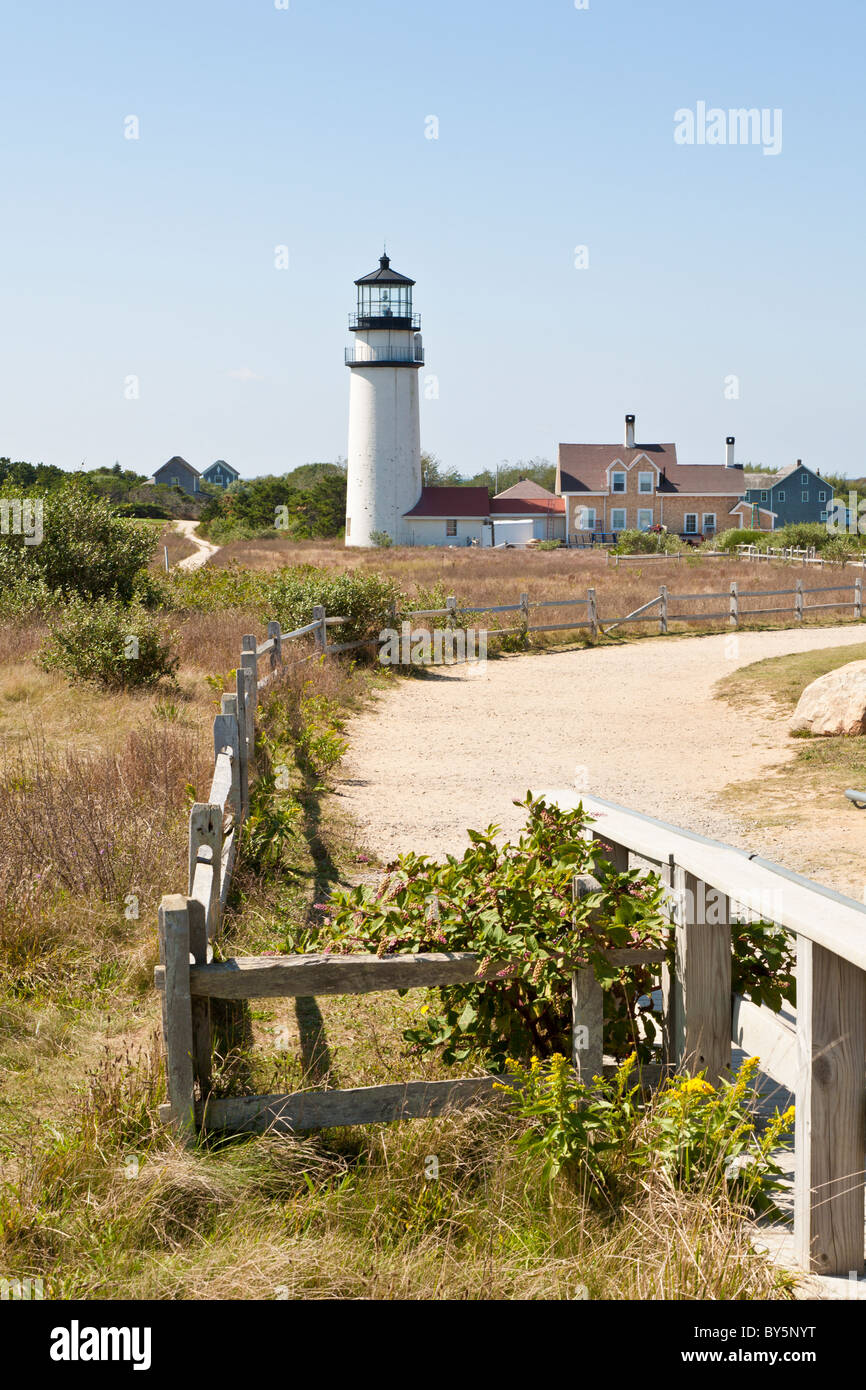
x,y
384,454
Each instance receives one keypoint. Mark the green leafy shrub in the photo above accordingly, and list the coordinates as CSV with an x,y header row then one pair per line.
x,y
512,904
86,548
801,534
647,543
381,539
105,643
364,599
729,540
606,1141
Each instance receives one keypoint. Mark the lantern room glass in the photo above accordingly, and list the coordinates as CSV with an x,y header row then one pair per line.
x,y
377,301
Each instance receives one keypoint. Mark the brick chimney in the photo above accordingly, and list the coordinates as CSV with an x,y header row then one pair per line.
x,y
629,431
729,452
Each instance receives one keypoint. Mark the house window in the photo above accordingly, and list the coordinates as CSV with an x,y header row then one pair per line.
x,y
617,518
780,495
804,478
617,482
804,495
824,514
644,482
644,518
709,524
451,528
585,519
691,524
763,496
822,497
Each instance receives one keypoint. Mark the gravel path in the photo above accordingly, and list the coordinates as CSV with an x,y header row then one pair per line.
x,y
438,754
205,548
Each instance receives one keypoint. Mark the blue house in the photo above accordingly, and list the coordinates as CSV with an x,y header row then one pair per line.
x,y
178,473
796,494
221,474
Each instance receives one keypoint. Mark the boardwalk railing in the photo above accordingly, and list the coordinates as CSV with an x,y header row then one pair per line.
x,y
821,1058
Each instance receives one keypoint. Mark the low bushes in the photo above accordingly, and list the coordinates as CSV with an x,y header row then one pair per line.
x,y
85,548
103,642
647,543
512,903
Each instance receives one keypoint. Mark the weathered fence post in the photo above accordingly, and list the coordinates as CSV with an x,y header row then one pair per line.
x,y
663,610
202,1045
243,740
734,605
321,633
698,990
592,612
174,948
231,729
587,1005
798,601
831,1111
206,832
524,617
276,632
858,598
250,678
451,605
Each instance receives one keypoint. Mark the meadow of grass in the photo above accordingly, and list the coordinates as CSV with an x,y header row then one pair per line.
x,y
494,577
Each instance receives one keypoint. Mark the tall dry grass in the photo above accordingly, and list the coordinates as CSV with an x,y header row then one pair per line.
x,y
494,577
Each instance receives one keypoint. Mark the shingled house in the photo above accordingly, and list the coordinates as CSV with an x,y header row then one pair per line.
x,y
609,488
178,473
795,494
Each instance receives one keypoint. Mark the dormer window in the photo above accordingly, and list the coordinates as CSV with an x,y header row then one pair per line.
x,y
644,482
617,482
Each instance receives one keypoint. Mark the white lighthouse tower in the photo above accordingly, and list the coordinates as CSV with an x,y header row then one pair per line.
x,y
384,473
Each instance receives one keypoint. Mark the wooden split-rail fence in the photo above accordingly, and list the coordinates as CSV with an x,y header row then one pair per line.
x,y
732,612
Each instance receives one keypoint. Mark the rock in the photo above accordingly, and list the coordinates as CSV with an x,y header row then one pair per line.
x,y
833,704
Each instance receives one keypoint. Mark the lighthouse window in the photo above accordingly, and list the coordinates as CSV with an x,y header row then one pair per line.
x,y
348,526
451,528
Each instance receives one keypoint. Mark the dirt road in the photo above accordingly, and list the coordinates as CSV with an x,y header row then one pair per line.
x,y
205,548
638,724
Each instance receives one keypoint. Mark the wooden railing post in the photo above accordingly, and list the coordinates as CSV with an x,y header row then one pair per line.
x,y
226,735
202,1044
276,632
592,612
663,610
321,633
174,947
697,992
206,832
858,598
524,617
451,605
250,668
587,1005
798,601
734,604
831,1111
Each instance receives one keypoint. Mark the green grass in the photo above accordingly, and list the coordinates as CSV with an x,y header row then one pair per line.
x,y
782,679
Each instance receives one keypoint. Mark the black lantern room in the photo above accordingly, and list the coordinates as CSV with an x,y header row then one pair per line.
x,y
384,300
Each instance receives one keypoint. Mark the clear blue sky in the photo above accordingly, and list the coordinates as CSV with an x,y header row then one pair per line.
x,y
306,127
